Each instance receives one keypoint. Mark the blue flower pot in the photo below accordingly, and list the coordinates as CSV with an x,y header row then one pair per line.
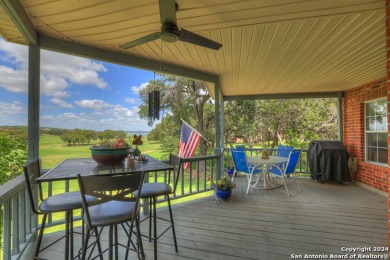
x,y
223,194
230,171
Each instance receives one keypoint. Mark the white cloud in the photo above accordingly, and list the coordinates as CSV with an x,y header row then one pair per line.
x,y
14,53
58,71
73,69
114,117
13,80
93,104
12,108
61,103
136,89
131,101
14,113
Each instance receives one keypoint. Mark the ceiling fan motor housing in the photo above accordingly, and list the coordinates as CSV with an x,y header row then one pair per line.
x,y
169,32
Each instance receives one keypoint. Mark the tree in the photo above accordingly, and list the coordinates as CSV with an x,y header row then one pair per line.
x,y
291,121
13,155
180,99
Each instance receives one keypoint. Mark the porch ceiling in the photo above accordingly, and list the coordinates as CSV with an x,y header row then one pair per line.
x,y
269,46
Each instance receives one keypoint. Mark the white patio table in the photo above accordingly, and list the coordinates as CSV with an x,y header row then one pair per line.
x,y
264,164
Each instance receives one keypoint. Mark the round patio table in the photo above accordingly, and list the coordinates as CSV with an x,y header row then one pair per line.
x,y
264,164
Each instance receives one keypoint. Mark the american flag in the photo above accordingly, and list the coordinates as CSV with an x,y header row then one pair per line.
x,y
189,140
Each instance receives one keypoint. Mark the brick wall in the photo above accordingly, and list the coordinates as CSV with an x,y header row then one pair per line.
x,y
373,175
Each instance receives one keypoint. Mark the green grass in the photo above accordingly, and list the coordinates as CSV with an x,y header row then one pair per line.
x,y
52,150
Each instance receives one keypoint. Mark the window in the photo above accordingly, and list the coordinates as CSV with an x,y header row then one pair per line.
x,y
376,131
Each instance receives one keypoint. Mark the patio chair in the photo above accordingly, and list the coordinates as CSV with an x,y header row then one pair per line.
x,y
240,147
64,202
114,204
241,165
288,170
236,148
153,190
284,151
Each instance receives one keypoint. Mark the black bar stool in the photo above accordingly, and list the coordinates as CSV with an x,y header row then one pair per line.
x,y
114,205
153,190
64,202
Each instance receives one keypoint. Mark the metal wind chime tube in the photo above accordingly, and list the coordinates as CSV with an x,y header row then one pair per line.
x,y
154,105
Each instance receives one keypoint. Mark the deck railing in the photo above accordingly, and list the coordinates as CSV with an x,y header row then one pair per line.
x,y
18,226
16,219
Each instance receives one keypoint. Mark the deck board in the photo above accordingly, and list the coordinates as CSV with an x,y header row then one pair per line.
x,y
267,224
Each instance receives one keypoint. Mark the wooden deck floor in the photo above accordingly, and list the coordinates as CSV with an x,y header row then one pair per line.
x,y
267,224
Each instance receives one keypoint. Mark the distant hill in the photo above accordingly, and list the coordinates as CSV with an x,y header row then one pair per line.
x,y
7,127
143,133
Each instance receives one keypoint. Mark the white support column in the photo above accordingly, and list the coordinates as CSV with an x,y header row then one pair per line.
x,y
33,101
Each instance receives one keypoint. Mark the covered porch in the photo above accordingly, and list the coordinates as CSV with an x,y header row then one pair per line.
x,y
267,224
271,49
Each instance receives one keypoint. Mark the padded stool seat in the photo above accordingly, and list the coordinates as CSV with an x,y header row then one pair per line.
x,y
154,189
61,202
111,213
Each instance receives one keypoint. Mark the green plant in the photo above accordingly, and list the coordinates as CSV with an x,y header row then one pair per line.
x,y
224,184
118,143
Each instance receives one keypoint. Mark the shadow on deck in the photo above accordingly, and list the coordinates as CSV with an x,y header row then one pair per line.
x,y
267,224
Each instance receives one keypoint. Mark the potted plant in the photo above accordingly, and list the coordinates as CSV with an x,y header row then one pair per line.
x,y
223,188
110,152
230,168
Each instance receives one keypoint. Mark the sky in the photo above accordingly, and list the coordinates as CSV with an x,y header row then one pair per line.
x,y
75,92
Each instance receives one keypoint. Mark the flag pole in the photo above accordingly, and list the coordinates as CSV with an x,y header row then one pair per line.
x,y
194,129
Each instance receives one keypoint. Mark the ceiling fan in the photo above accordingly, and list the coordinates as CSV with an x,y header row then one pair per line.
x,y
170,32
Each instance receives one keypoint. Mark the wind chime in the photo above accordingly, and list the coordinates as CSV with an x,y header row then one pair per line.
x,y
154,103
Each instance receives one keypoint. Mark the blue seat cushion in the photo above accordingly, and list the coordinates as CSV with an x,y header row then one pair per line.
x,y
111,213
154,189
61,202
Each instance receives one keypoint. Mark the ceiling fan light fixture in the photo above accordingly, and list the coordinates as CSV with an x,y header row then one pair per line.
x,y
169,37
169,32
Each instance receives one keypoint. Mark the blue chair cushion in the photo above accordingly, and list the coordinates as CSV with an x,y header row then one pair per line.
x,y
154,189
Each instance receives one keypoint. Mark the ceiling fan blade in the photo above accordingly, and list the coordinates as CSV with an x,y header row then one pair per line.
x,y
190,37
145,39
167,11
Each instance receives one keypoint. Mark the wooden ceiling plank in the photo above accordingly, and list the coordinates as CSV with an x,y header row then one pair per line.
x,y
360,65
246,43
341,53
315,52
235,15
236,41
